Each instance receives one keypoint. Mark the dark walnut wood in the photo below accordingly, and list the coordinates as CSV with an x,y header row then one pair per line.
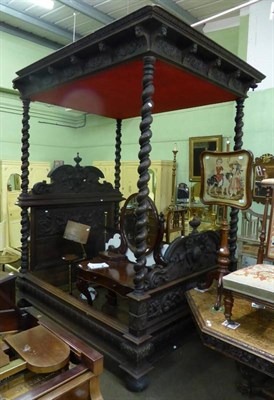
x,y
75,194
135,345
154,225
147,62
185,59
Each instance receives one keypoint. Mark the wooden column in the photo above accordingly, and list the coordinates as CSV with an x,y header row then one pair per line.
x,y
234,213
223,258
145,149
117,173
25,187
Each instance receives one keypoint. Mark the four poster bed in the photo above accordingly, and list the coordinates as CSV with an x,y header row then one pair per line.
x,y
150,61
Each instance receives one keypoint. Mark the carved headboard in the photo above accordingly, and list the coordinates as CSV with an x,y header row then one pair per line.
x,y
76,194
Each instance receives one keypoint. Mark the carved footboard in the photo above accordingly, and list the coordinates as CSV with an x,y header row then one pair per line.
x,y
190,257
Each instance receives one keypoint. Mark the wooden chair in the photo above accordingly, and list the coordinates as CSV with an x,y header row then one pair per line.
x,y
249,238
175,223
76,233
255,282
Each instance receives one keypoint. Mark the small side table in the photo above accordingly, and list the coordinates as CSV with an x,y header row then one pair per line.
x,y
8,259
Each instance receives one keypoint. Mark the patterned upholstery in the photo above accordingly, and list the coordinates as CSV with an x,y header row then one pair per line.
x,y
256,281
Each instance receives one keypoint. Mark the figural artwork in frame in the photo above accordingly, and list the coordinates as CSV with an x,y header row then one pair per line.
x,y
226,178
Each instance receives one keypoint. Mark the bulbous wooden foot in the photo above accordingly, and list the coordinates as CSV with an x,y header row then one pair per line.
x,y
137,385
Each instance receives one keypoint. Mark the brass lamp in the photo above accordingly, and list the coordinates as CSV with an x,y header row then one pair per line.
x,y
173,182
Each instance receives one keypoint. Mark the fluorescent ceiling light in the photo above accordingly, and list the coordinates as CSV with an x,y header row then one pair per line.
x,y
225,12
272,11
48,4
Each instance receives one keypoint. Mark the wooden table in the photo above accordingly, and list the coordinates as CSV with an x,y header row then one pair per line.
x,y
46,360
117,278
8,259
251,344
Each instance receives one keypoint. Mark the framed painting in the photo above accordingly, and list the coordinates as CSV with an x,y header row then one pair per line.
x,y
263,168
58,163
196,146
226,178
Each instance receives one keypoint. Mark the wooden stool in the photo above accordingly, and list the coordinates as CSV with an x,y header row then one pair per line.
x,y
71,259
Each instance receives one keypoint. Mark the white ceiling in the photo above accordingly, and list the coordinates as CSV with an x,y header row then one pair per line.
x,y
71,19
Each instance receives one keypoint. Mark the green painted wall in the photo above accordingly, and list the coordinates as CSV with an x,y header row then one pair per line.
x,y
228,38
243,36
167,129
259,122
16,54
49,139
94,140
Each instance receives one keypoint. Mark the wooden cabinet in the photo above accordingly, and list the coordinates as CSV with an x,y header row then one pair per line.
x,y
10,182
160,184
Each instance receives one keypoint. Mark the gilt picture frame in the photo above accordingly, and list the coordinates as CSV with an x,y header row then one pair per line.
x,y
263,167
196,146
226,178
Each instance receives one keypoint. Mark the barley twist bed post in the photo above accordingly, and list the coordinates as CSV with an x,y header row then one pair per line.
x,y
186,59
238,143
25,185
117,174
138,308
234,213
145,148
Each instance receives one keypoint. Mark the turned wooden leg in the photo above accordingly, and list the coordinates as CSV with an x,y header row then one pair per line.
x,y
223,258
217,305
94,389
228,303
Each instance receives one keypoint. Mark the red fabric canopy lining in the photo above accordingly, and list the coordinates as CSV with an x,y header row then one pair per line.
x,y
117,92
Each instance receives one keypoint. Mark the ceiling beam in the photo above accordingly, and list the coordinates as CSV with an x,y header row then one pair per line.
x,y
29,36
169,5
90,11
38,22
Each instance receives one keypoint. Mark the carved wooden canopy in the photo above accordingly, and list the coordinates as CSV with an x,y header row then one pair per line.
x,y
102,72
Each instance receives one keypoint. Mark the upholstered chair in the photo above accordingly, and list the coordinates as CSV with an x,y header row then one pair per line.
x,y
255,282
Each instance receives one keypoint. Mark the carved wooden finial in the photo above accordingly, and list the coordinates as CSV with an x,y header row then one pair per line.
x,y
195,223
77,160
